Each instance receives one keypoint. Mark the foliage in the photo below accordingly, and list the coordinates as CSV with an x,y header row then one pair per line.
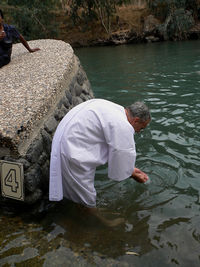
x,y
176,16
89,10
32,17
180,23
194,7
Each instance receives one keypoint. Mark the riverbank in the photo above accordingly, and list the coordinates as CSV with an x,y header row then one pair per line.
x,y
126,25
130,24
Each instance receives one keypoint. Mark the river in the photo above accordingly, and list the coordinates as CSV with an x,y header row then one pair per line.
x,y
162,217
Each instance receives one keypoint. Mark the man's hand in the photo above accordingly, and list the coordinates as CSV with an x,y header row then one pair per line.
x,y
2,35
34,50
24,42
139,176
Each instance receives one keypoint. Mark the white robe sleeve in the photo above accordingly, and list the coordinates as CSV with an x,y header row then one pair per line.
x,y
121,152
121,163
55,183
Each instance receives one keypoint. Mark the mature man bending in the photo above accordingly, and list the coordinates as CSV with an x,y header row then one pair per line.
x,y
91,134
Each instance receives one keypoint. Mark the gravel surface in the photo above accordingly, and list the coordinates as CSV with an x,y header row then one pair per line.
x,y
30,84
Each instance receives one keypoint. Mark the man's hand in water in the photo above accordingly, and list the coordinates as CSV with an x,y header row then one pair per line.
x,y
140,176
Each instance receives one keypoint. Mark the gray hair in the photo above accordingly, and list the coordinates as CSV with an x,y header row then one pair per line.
x,y
140,110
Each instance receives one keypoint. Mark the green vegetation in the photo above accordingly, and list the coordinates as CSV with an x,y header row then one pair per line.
x,y
33,18
37,19
102,10
177,15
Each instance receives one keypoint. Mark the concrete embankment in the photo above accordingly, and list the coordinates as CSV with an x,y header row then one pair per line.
x,y
37,90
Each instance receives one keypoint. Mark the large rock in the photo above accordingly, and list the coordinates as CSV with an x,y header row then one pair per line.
x,y
150,25
37,90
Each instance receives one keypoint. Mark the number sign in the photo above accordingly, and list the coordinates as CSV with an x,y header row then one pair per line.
x,y
12,180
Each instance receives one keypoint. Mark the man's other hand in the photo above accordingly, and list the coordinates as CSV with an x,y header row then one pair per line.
x,y
140,176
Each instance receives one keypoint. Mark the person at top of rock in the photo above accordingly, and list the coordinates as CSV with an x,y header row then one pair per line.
x,y
8,33
93,133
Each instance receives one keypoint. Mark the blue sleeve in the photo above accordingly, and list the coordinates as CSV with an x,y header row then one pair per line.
x,y
14,32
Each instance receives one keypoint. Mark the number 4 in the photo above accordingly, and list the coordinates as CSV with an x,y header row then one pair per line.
x,y
10,180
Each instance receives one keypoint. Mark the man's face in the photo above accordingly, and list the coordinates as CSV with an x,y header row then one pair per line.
x,y
139,125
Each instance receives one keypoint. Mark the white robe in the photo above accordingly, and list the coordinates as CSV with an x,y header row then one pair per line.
x,y
91,134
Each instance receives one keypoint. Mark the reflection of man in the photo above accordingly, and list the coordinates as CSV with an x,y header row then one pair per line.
x,y
8,34
91,134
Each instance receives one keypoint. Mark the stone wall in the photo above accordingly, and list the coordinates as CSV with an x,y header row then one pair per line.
x,y
37,90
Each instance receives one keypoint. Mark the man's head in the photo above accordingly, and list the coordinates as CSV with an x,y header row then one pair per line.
x,y
138,116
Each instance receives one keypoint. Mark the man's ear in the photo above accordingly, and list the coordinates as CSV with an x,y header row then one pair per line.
x,y
136,119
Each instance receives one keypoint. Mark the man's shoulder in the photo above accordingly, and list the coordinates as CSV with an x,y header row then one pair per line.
x,y
104,103
10,28
102,108
109,112
7,26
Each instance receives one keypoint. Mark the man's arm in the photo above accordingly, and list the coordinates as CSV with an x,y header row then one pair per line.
x,y
139,176
24,42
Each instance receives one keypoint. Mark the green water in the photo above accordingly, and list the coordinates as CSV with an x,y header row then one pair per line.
x,y
162,218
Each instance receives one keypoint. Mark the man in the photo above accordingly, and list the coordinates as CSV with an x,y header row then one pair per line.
x,y
8,34
91,134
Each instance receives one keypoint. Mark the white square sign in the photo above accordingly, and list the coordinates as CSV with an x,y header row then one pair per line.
x,y
12,180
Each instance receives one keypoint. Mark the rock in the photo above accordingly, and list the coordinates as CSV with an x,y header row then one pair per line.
x,y
46,141
69,96
60,113
33,197
32,178
150,25
35,150
50,125
120,37
152,39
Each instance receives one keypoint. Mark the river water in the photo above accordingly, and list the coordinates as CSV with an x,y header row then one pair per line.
x,y
162,217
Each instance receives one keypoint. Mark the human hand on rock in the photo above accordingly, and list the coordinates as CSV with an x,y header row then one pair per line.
x,y
34,50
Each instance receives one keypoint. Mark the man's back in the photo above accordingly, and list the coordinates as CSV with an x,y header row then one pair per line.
x,y
90,135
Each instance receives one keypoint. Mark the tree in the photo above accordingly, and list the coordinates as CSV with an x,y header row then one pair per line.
x,y
102,10
194,6
177,18
33,17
